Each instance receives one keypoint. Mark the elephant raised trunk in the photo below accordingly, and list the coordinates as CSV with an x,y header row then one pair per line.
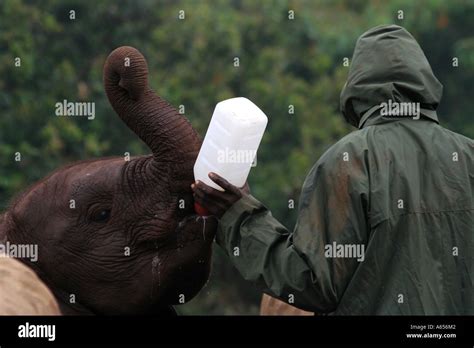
x,y
130,243
168,134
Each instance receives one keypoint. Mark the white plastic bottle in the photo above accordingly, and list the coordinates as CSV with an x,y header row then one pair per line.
x,y
231,142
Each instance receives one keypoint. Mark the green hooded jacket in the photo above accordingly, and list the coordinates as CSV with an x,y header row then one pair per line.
x,y
386,216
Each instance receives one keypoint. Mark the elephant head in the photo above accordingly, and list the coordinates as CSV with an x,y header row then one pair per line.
x,y
119,236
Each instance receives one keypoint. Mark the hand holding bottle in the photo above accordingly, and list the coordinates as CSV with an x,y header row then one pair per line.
x,y
217,202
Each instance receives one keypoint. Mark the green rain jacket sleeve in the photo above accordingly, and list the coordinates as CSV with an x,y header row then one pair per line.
x,y
302,268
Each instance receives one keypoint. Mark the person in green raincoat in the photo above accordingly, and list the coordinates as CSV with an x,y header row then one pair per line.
x,y
386,216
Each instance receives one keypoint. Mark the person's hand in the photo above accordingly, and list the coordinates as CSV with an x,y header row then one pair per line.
x,y
217,202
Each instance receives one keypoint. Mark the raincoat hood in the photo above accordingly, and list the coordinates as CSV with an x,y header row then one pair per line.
x,y
388,64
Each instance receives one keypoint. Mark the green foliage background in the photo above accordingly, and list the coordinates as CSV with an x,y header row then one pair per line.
x,y
282,62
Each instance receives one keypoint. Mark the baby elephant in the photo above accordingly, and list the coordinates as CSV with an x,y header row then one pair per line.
x,y
118,236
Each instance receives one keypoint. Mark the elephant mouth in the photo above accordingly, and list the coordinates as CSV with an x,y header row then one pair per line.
x,y
187,231
195,228
186,258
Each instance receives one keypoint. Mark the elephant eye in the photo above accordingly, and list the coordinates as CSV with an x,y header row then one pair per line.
x,y
102,215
